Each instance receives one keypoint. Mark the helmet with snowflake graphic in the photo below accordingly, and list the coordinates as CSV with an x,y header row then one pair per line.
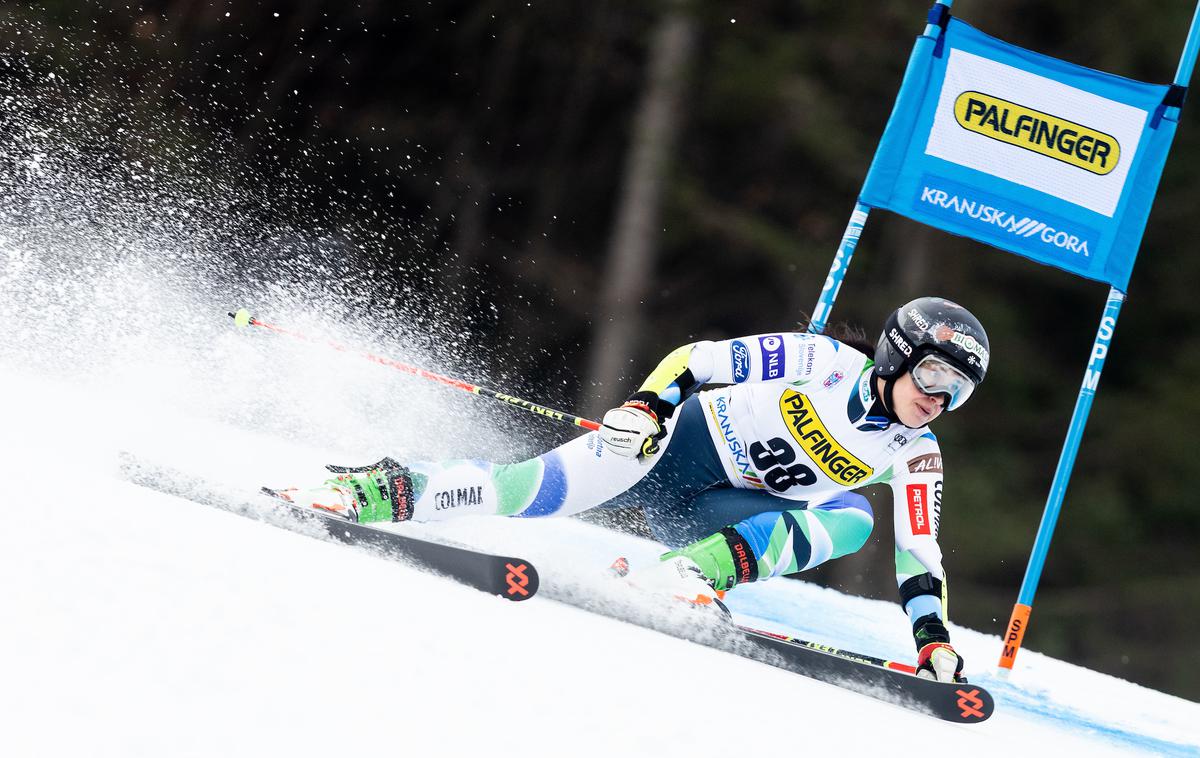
x,y
934,326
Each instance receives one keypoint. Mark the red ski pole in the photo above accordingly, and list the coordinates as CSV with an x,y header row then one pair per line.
x,y
243,318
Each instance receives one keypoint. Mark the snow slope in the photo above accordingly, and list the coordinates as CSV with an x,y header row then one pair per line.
x,y
136,624
141,624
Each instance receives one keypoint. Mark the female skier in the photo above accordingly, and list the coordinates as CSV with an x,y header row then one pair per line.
x,y
751,479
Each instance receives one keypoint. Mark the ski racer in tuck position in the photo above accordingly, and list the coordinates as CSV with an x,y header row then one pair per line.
x,y
747,481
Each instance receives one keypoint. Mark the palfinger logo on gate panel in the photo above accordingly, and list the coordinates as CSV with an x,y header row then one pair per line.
x,y
815,440
1042,133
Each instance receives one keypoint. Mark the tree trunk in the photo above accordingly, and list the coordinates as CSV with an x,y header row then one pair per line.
x,y
629,265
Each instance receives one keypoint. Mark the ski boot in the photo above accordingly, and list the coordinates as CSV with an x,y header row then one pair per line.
x,y
382,491
675,576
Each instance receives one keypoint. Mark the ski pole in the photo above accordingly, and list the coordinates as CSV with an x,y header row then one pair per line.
x,y
243,318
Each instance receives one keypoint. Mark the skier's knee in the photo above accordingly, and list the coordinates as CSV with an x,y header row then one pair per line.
x,y
849,520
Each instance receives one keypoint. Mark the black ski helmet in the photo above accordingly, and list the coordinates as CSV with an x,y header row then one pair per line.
x,y
932,325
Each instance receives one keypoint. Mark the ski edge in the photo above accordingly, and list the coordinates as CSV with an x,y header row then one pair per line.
x,y
888,681
509,577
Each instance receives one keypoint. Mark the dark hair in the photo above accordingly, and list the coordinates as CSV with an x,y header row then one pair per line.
x,y
845,333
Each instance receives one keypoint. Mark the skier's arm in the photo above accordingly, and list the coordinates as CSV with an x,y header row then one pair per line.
x,y
634,429
787,356
917,496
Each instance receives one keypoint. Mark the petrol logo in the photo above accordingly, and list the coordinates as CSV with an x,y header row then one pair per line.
x,y
918,508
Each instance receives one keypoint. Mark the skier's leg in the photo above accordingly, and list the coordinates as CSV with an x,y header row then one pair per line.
x,y
767,543
571,478
574,477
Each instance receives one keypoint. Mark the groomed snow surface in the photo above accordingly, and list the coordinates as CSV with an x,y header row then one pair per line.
x,y
138,624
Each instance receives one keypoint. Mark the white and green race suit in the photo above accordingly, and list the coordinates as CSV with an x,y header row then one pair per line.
x,y
773,453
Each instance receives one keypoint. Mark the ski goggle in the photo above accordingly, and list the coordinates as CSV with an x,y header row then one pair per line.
x,y
934,376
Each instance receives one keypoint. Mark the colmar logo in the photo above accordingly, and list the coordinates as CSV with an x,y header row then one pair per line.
x,y
918,508
457,498
1042,133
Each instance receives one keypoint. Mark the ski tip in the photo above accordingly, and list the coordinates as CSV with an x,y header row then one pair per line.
x,y
241,317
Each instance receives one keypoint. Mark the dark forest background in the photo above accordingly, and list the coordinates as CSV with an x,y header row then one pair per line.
x,y
582,186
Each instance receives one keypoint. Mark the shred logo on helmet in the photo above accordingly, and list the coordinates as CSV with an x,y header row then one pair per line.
x,y
901,344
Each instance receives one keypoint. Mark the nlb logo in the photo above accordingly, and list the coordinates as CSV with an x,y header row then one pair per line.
x,y
772,350
1042,133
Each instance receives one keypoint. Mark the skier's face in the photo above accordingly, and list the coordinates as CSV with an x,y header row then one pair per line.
x,y
914,407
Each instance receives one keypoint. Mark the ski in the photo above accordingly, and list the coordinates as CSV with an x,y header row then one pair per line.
x,y
889,681
506,576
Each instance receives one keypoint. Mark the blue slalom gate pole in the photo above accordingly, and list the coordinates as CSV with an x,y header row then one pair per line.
x,y
858,219
837,272
1019,621
1062,476
1187,61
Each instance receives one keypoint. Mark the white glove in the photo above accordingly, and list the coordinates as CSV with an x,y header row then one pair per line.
x,y
632,431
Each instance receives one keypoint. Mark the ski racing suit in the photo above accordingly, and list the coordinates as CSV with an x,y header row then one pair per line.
x,y
765,464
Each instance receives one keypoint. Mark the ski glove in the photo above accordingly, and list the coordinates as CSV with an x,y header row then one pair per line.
x,y
632,430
